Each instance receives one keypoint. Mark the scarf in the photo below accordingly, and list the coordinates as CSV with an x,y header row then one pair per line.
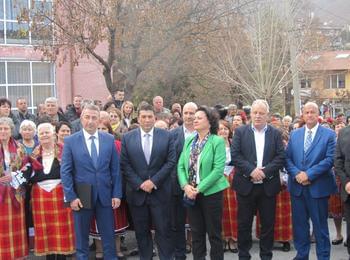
x,y
196,149
15,164
35,159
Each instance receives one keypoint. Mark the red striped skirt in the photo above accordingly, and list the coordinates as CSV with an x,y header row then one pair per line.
x,y
53,223
13,236
120,221
229,218
335,203
283,218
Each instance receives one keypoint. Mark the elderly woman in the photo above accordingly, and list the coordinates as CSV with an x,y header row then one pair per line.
x,y
27,145
53,223
201,175
63,129
13,236
27,130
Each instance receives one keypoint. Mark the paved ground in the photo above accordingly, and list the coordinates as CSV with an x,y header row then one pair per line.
x,y
338,252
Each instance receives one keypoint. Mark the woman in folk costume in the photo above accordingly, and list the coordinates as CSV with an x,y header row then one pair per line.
x,y
283,232
229,220
13,235
53,223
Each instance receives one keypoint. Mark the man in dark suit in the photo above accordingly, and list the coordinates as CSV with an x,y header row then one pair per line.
x,y
258,155
342,169
147,159
90,158
178,211
309,164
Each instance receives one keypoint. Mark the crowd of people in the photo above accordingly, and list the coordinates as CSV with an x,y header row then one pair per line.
x,y
173,176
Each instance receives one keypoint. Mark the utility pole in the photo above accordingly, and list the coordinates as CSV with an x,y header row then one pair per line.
x,y
293,57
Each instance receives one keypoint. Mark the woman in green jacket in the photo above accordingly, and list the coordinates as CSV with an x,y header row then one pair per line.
x,y
201,176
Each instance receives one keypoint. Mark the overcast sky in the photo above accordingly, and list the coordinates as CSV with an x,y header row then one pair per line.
x,y
332,11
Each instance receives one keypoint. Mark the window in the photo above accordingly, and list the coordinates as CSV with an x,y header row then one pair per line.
x,y
14,32
33,80
305,83
334,81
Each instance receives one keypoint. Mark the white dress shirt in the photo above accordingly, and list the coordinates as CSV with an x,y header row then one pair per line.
x,y
259,137
88,141
313,132
143,137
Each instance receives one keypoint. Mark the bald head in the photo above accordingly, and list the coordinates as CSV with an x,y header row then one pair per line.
x,y
188,112
310,114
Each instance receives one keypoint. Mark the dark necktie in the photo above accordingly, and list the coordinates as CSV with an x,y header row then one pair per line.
x,y
94,155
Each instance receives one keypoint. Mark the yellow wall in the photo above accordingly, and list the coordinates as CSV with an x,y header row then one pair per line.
x,y
318,86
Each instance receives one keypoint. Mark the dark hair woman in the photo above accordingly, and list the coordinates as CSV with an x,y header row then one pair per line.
x,y
201,176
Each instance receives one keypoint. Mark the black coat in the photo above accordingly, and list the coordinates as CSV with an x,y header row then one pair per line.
x,y
243,155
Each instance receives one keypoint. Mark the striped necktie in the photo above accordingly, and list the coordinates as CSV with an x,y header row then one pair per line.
x,y
308,141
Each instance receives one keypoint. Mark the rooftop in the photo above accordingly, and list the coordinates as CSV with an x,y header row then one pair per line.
x,y
325,61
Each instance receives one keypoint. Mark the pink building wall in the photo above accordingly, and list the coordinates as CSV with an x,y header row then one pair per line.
x,y
85,79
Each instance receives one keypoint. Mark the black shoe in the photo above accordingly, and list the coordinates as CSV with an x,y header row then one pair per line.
x,y
154,253
225,245
232,246
134,252
286,247
337,241
346,244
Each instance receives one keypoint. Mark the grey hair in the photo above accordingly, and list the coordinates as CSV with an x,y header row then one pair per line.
x,y
51,100
47,125
7,121
26,123
191,104
313,104
91,107
289,118
259,102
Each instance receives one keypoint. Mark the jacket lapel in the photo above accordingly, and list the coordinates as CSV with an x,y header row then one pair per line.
x,y
84,146
138,144
251,139
267,145
206,148
153,150
100,150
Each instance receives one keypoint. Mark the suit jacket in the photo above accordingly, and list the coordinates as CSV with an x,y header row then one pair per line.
x,y
244,159
178,136
211,165
317,162
342,160
136,170
77,167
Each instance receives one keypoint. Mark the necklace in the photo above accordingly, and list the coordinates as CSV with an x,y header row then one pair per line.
x,y
45,153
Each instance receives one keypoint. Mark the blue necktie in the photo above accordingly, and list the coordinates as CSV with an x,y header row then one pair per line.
x,y
308,141
94,155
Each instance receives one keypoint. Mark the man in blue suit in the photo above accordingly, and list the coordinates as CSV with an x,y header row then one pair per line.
x,y
309,164
147,159
90,157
